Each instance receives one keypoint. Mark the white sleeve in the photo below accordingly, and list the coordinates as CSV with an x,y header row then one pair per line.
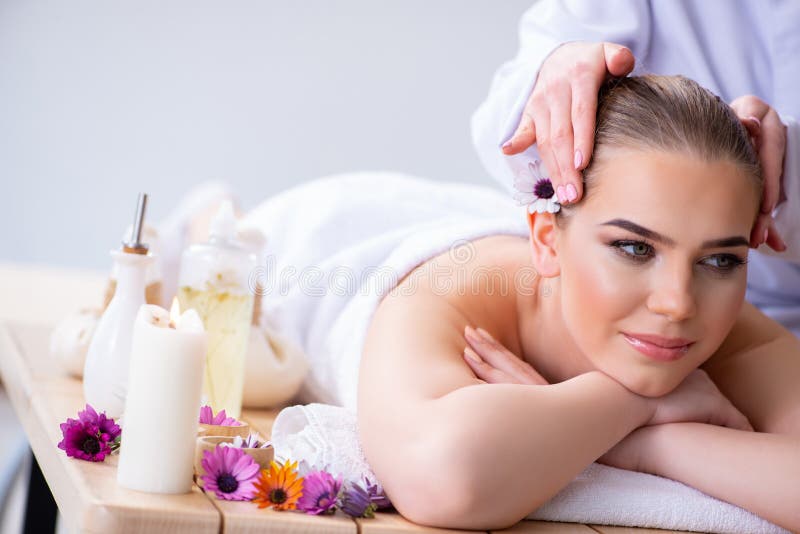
x,y
542,28
787,213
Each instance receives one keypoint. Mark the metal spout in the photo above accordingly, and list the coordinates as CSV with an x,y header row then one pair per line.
x,y
134,244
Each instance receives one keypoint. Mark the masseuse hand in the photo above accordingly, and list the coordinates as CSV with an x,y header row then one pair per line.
x,y
769,137
560,113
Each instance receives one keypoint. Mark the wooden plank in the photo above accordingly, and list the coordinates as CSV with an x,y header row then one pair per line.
x,y
546,527
394,523
38,366
247,518
14,371
44,295
605,529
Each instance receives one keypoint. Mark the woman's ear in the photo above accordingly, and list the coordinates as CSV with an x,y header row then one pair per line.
x,y
543,240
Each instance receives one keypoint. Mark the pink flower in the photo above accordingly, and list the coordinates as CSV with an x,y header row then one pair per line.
x,y
207,417
230,473
320,493
84,441
103,423
91,437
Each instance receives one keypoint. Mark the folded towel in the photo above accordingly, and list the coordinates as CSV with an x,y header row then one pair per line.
x,y
325,436
335,247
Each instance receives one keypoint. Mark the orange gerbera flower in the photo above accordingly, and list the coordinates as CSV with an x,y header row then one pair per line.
x,y
279,486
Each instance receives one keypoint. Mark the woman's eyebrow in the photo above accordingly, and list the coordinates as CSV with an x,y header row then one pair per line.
x,y
733,241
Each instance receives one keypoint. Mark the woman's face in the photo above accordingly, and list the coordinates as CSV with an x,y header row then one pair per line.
x,y
652,264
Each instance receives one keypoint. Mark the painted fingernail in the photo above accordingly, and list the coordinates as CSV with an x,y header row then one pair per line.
x,y
578,159
572,193
561,194
755,119
506,144
472,355
766,233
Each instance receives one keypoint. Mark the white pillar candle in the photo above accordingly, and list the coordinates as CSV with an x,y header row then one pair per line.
x,y
159,428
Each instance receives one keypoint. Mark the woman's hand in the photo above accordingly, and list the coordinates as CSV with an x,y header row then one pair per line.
x,y
560,112
495,364
697,400
769,137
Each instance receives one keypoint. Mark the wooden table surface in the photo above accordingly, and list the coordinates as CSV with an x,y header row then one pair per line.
x,y
87,495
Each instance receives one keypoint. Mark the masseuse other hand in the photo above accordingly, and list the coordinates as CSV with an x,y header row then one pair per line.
x,y
769,137
495,364
560,113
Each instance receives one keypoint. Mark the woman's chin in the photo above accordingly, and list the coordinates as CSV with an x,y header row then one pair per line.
x,y
647,386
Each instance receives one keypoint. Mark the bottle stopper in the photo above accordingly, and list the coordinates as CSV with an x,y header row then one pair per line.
x,y
134,244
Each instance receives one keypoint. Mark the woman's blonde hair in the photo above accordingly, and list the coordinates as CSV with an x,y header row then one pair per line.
x,y
673,114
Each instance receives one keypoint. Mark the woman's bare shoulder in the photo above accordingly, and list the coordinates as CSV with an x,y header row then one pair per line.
x,y
413,347
415,341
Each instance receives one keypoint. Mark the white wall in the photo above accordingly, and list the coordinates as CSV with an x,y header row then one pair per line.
x,y
102,99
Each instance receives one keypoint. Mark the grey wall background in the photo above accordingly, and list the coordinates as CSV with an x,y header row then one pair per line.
x,y
100,100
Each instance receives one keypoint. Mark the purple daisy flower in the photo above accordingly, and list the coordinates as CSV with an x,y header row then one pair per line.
x,y
207,417
320,493
356,501
230,473
104,424
84,441
377,495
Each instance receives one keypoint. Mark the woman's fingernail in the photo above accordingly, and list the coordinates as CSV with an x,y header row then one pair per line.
x,y
755,119
572,193
484,334
766,233
578,159
561,194
472,355
506,144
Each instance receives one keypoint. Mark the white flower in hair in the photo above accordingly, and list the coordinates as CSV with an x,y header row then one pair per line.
x,y
535,190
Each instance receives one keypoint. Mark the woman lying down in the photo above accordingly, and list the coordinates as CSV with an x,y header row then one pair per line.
x,y
630,344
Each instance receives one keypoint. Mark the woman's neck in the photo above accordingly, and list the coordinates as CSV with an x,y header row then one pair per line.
x,y
543,334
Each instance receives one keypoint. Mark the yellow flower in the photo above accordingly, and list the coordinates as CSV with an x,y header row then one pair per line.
x,y
279,486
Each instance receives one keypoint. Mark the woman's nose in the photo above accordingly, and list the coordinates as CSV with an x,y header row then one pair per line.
x,y
672,297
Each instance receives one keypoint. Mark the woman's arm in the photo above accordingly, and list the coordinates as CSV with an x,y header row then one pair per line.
x,y
455,455
758,369
757,471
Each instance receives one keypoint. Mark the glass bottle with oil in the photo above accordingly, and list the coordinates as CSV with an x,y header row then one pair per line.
x,y
214,280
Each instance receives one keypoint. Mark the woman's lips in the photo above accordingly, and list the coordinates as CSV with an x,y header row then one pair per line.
x,y
659,348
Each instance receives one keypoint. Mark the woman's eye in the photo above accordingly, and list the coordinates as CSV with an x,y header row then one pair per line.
x,y
636,250
724,262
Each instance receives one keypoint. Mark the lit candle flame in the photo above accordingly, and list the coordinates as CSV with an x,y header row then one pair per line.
x,y
174,312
